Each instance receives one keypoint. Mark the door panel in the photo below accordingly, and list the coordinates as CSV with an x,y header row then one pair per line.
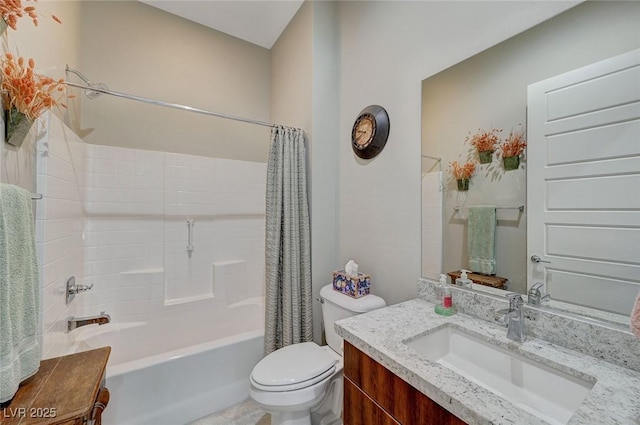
x,y
583,184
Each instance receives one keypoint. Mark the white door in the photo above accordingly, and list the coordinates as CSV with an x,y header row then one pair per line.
x,y
583,184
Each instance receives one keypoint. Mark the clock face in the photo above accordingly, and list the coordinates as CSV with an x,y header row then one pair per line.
x,y
370,132
363,131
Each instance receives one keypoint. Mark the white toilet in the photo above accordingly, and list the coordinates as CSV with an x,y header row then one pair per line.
x,y
301,384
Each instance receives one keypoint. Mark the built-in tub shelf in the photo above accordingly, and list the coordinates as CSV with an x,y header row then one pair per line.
x,y
67,390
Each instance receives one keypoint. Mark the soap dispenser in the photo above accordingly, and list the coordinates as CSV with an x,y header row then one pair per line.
x,y
463,280
444,306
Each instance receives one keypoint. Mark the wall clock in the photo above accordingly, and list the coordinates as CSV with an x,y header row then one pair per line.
x,y
370,131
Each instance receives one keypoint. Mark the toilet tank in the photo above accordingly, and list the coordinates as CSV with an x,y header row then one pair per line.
x,y
337,306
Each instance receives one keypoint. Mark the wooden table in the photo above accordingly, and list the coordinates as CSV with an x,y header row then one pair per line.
x,y
67,390
493,281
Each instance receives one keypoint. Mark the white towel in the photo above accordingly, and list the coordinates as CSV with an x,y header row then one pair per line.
x,y
635,317
19,291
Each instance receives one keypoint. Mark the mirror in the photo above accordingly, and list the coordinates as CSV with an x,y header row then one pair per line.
x,y
489,91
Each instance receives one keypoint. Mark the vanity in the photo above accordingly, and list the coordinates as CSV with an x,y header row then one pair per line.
x,y
404,364
374,395
67,390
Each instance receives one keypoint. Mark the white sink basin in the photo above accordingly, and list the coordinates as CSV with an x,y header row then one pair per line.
x,y
547,393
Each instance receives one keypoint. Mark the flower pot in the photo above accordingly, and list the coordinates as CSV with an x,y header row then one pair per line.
x,y
485,156
16,126
463,184
511,162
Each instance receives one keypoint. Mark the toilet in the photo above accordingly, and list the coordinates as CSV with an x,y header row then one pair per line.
x,y
301,384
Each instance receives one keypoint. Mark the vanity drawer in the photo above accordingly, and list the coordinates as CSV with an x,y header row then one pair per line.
x,y
405,404
362,409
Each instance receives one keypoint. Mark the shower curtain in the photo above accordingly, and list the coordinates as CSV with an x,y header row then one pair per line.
x,y
288,299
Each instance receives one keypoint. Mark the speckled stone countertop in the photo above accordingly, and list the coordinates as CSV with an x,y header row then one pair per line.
x,y
382,334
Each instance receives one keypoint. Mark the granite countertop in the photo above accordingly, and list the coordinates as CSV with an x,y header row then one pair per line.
x,y
381,334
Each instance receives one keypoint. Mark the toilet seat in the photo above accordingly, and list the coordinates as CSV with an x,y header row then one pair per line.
x,y
296,385
293,367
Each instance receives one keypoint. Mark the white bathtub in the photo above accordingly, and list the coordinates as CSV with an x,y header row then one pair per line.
x,y
178,368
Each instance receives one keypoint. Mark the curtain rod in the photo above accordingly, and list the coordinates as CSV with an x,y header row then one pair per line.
x,y
169,105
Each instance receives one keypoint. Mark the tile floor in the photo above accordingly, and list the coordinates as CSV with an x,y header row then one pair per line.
x,y
245,413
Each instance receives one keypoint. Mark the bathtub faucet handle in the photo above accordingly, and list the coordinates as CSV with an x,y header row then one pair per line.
x,y
74,288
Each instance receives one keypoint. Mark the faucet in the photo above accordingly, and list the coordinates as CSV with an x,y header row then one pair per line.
x,y
513,318
76,322
535,297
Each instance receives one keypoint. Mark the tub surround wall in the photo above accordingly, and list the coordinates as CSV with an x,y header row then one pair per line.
x,y
138,203
59,227
432,224
613,344
116,218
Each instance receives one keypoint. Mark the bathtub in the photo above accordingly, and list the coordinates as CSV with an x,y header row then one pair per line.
x,y
180,367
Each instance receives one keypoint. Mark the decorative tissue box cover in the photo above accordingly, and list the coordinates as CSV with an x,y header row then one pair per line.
x,y
353,286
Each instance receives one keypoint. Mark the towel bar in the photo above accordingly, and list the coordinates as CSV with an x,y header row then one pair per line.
x,y
519,208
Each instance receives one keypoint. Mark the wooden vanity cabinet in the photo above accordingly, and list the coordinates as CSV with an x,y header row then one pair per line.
x,y
67,390
373,395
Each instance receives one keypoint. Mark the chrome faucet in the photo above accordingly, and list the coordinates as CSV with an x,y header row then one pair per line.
x,y
535,296
513,318
76,322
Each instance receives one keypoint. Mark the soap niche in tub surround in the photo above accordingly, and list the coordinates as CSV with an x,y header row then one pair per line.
x,y
611,343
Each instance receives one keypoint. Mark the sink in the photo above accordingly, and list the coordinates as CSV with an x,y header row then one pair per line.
x,y
548,393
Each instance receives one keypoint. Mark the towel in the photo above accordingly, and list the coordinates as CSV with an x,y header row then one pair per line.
x,y
635,317
482,239
19,291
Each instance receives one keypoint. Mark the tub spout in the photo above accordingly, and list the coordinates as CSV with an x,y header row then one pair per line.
x,y
76,322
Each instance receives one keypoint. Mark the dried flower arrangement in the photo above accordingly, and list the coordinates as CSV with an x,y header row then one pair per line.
x,y
25,90
25,96
462,171
12,10
514,144
484,140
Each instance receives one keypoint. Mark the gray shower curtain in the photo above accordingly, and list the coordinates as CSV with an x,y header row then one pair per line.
x,y
288,300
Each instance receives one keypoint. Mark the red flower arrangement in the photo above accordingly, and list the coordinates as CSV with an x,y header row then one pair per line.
x,y
463,171
484,140
514,144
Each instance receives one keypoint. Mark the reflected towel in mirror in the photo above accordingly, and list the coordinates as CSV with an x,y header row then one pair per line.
x,y
482,238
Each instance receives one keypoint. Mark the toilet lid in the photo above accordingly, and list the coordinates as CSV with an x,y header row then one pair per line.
x,y
292,365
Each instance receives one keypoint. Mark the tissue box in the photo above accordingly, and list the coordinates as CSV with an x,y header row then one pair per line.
x,y
354,286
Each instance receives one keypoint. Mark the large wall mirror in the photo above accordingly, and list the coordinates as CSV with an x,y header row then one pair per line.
x,y
489,91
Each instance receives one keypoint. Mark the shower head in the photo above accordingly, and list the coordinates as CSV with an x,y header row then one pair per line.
x,y
91,94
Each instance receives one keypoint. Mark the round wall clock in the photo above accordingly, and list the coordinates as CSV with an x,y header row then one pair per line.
x,y
370,131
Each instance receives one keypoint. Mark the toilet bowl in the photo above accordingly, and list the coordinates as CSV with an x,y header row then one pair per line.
x,y
301,384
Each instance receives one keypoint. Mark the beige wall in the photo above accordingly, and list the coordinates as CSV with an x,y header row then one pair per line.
x,y
324,176
51,45
137,49
490,89
304,93
388,48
